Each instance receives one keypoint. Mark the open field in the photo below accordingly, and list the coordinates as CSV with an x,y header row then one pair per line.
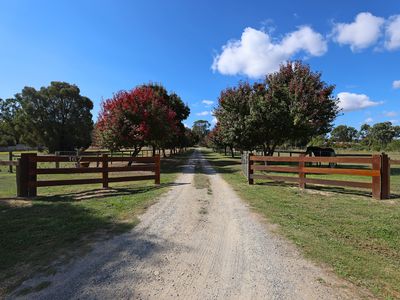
x,y
63,220
344,229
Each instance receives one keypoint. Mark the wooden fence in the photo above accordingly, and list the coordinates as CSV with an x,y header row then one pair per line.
x,y
28,171
379,171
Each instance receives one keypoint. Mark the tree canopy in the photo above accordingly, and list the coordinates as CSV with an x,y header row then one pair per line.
x,y
11,127
291,105
145,115
200,129
344,134
57,117
379,135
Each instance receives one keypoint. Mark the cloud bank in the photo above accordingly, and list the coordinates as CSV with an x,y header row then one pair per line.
x,y
393,33
256,54
396,84
362,33
351,101
207,102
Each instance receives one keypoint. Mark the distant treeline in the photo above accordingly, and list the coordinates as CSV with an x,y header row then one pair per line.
x,y
378,137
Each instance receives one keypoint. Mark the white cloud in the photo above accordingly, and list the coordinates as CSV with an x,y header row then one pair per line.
x,y
207,102
256,54
362,33
392,41
396,84
394,121
351,101
203,113
390,113
214,120
368,120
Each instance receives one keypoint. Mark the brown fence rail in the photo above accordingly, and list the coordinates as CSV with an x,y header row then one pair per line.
x,y
8,163
27,172
379,171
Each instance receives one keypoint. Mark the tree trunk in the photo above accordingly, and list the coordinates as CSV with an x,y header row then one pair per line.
x,y
134,154
232,152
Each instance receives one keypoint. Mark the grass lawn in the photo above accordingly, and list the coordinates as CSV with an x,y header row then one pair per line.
x,y
346,230
63,220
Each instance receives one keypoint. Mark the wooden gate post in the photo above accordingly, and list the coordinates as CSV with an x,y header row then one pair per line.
x,y
32,190
26,177
10,158
22,176
250,171
302,175
105,170
385,177
157,169
376,180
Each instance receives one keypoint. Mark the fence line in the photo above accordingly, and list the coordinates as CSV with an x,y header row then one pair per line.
x,y
27,172
379,171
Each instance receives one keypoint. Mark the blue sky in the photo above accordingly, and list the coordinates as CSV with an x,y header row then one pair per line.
x,y
198,48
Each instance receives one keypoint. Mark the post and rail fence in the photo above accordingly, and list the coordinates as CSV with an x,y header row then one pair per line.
x,y
379,171
28,171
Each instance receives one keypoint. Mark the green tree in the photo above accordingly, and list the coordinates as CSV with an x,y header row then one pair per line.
x,y
11,128
319,141
200,129
293,105
233,114
57,117
344,134
381,134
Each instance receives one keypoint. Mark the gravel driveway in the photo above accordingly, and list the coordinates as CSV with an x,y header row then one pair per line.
x,y
194,243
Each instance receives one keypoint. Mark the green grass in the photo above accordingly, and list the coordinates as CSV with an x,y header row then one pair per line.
x,y
348,231
63,220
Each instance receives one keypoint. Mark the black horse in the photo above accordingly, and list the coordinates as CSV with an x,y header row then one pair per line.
x,y
321,152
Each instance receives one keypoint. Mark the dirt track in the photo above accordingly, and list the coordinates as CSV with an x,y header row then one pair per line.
x,y
194,244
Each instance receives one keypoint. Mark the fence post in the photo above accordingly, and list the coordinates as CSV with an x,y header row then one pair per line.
x,y
22,176
57,153
302,175
157,169
385,177
250,171
376,180
105,170
10,158
27,177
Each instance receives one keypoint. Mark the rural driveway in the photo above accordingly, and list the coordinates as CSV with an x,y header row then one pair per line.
x,y
199,241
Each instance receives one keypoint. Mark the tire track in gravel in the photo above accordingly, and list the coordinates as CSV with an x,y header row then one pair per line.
x,y
194,244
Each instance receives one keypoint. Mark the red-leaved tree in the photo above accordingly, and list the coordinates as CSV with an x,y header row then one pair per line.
x,y
133,119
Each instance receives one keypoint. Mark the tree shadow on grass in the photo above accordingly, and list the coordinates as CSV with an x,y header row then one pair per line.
x,y
31,236
223,165
395,171
330,189
103,193
89,194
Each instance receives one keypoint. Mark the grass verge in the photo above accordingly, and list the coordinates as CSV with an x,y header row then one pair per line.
x,y
358,237
36,232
